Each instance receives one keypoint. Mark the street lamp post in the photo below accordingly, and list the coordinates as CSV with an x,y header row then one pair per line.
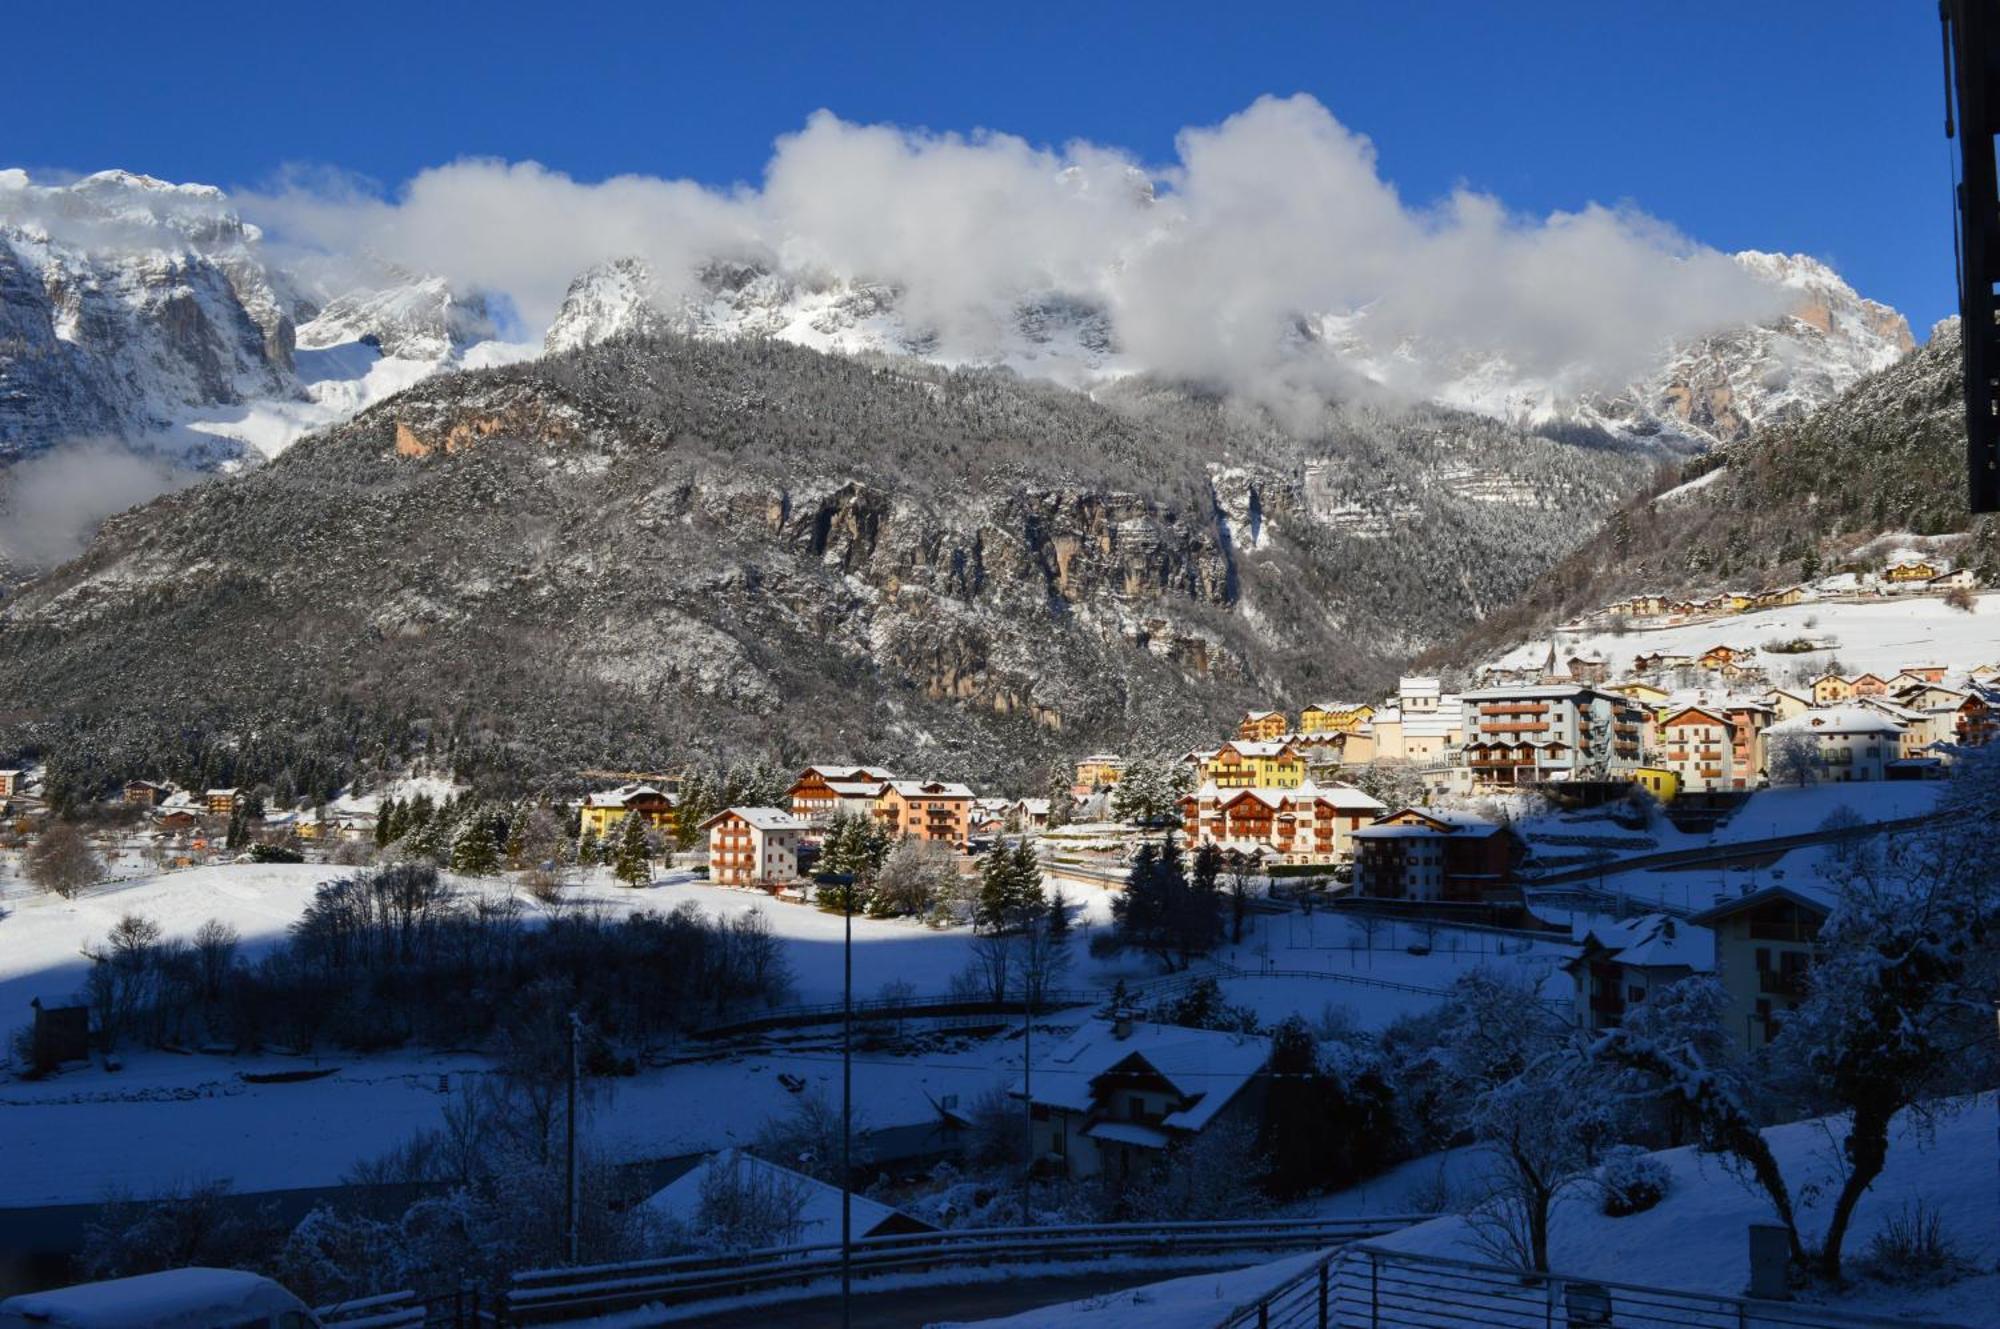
x,y
845,881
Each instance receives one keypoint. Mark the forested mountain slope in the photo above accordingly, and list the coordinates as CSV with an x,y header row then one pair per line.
x,y
658,548
1795,502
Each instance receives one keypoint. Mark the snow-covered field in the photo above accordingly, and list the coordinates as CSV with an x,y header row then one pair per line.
x,y
1767,813
167,1117
1876,636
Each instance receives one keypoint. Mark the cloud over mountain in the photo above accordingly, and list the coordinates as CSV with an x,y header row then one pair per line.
x,y
1270,253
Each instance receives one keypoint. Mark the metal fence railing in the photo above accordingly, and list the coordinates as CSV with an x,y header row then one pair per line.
x,y
1363,1287
466,1308
543,1296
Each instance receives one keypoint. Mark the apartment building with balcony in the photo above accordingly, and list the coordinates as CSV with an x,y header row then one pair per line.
x,y
1435,855
1528,734
926,810
823,792
1242,764
753,846
1310,824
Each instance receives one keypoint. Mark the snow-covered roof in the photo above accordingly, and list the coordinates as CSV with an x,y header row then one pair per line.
x,y
623,796
1035,807
1246,748
1129,1132
764,819
1654,941
1343,796
1856,719
192,1298
819,1215
1708,918
856,788
1205,1065
930,789
878,774
223,793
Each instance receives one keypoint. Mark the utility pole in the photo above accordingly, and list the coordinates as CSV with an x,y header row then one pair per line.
x,y
1028,1097
845,882
569,1189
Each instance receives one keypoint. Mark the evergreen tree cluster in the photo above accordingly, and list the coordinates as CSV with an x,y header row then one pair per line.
x,y
1163,911
1011,896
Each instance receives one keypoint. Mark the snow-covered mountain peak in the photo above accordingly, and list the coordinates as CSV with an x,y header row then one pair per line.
x,y
151,312
423,319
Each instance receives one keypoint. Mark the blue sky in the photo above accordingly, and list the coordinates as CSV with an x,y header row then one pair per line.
x,y
1811,127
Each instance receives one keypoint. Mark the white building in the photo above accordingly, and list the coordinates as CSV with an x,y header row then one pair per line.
x,y
1117,1094
1851,742
1555,731
754,846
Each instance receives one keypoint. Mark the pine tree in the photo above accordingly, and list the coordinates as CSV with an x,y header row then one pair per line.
x,y
587,850
385,824
1058,923
426,843
517,839
633,863
1062,802
697,804
994,910
1030,900
473,851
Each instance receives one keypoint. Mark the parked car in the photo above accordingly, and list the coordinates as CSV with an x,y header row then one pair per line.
x,y
176,1299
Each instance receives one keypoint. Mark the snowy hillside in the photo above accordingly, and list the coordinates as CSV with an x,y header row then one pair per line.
x,y
1878,636
1694,1238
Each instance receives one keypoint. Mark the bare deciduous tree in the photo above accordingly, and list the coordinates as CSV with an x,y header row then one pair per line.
x,y
62,861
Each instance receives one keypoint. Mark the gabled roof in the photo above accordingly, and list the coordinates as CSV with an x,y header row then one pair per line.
x,y
1705,712
1205,1065
624,796
874,773
1247,748
1855,719
764,819
929,789
1708,918
1652,941
819,1215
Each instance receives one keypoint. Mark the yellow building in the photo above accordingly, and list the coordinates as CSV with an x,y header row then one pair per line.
x,y
1248,765
1661,783
1643,693
602,813
1334,717
1831,690
1100,770
1919,570
1263,726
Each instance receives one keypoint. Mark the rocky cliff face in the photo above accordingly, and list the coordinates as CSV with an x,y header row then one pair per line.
x,y
661,547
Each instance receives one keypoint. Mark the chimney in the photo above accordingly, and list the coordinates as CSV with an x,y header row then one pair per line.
x,y
1121,1023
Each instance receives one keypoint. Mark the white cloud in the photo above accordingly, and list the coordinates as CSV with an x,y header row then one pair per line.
x,y
1207,265
51,504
